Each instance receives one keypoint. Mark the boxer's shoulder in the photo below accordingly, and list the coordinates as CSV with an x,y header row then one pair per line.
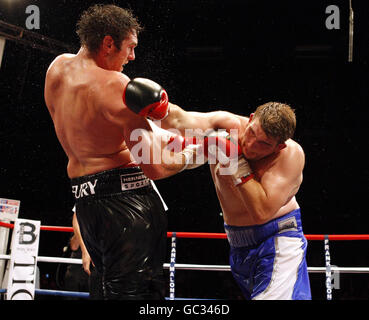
x,y
290,159
114,79
59,60
293,149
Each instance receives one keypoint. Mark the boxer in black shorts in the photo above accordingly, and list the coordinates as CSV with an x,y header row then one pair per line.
x,y
120,214
123,225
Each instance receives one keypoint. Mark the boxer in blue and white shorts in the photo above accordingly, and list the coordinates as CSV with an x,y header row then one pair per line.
x,y
268,260
260,210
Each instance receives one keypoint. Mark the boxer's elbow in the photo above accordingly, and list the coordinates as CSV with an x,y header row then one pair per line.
x,y
263,214
260,217
261,207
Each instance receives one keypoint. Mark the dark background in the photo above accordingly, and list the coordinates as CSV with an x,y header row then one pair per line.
x,y
210,55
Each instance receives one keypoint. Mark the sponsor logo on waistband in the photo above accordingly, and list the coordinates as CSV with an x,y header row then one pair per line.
x,y
84,189
134,181
289,224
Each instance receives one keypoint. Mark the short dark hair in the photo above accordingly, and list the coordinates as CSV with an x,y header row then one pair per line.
x,y
100,20
277,119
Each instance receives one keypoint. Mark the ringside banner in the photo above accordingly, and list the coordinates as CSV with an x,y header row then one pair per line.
x,y
9,209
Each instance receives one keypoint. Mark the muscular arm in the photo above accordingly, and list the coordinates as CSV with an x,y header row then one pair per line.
x,y
277,186
138,133
181,120
86,260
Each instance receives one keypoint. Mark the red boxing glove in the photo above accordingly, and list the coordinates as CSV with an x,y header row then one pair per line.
x,y
223,148
220,146
192,151
178,143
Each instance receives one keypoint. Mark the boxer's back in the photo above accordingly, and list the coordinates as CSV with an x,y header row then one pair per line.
x,y
73,89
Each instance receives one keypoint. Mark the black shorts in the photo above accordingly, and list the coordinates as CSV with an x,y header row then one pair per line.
x,y
123,225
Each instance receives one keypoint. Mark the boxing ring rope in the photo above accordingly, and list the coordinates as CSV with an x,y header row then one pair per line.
x,y
214,235
182,266
200,267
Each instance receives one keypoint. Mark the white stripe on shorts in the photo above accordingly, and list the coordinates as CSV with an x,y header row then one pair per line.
x,y
288,257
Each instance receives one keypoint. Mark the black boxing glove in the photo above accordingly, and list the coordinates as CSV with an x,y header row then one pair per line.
x,y
146,98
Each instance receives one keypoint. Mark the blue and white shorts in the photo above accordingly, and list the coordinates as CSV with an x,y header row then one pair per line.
x,y
268,261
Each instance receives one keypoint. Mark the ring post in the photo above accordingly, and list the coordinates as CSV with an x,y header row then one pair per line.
x,y
328,271
172,267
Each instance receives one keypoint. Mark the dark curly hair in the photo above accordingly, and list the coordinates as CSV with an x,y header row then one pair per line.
x,y
100,20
